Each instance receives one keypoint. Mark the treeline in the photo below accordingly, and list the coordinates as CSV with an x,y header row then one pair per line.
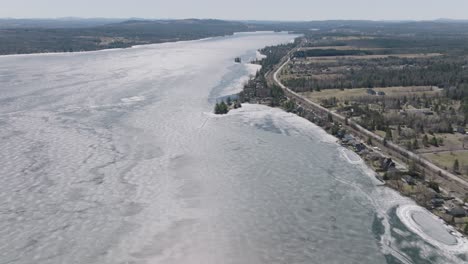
x,y
118,35
274,54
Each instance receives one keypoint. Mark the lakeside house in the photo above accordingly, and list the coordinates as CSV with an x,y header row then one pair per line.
x,y
437,202
457,212
409,180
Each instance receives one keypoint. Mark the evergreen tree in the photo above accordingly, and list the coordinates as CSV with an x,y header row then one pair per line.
x,y
415,144
221,108
456,166
425,141
409,146
289,106
388,134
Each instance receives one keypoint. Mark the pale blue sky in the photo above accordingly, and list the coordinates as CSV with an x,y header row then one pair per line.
x,y
239,9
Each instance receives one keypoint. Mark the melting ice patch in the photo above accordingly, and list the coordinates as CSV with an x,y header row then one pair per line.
x,y
260,56
237,84
431,228
288,123
350,156
133,99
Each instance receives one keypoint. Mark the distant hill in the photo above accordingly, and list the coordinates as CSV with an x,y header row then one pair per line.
x,y
56,23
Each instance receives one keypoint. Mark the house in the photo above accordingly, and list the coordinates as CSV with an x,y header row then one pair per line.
x,y
387,163
436,202
371,91
347,138
409,180
359,147
340,134
457,212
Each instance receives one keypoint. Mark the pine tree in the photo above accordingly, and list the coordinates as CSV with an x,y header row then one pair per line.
x,y
388,134
456,166
415,144
221,108
425,141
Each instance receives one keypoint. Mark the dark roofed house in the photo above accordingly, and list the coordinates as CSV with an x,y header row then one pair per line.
x,y
409,180
359,147
371,91
457,212
436,202
387,164
347,138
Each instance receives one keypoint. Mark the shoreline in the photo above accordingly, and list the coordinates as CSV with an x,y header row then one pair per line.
x,y
354,150
134,46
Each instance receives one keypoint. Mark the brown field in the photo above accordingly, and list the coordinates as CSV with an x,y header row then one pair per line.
x,y
349,38
340,48
366,57
446,159
347,94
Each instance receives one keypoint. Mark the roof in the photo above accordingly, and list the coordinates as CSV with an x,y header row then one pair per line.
x,y
457,211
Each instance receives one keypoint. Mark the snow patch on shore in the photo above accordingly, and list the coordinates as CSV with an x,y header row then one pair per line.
x,y
238,85
260,56
284,121
431,228
350,156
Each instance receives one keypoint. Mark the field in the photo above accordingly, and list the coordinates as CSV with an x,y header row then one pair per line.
x,y
349,94
446,160
330,59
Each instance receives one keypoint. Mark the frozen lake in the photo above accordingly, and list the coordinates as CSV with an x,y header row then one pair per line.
x,y
114,157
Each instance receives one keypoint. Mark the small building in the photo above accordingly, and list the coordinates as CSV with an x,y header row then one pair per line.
x,y
409,180
359,147
461,130
387,164
436,202
347,138
457,212
371,91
